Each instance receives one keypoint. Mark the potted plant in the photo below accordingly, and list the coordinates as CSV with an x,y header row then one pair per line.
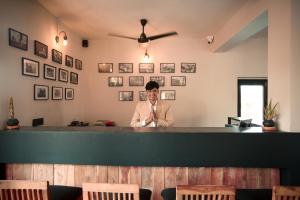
x,y
270,115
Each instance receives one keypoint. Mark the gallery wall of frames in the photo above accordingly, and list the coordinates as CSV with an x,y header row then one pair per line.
x,y
33,68
166,69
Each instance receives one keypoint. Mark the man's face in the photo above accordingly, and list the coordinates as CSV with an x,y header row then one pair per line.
x,y
152,95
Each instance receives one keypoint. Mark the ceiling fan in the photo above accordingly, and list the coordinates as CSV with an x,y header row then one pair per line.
x,y
143,38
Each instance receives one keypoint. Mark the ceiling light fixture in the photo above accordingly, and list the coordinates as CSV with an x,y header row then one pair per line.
x,y
146,57
65,37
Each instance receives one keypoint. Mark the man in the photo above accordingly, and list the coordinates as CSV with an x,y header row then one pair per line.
x,y
152,113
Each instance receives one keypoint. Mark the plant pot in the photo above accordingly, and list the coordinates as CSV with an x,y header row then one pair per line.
x,y
269,123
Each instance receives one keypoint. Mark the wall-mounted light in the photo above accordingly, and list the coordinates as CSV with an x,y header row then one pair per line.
x,y
146,57
65,37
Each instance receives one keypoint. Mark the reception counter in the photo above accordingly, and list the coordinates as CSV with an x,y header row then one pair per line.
x,y
155,158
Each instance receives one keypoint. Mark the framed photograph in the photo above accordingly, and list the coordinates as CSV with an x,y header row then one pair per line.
x,y
63,75
167,94
143,96
125,95
178,81
167,67
78,64
188,67
49,72
69,61
30,67
56,56
73,78
41,92
57,93
115,81
18,39
69,93
125,67
136,81
159,79
105,67
146,67
40,49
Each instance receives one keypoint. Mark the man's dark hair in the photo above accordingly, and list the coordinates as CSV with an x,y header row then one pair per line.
x,y
151,85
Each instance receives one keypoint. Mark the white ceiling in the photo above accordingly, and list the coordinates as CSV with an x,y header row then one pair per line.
x,y
93,19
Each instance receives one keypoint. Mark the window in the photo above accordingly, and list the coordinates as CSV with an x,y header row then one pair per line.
x,y
252,97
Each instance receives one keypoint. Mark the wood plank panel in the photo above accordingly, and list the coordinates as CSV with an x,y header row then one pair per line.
x,y
275,177
101,174
159,183
124,175
64,175
241,178
199,175
176,176
9,171
252,178
112,174
85,173
229,176
217,176
147,177
43,172
135,176
22,172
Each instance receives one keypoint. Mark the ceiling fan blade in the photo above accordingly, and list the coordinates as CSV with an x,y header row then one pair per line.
x,y
154,37
122,36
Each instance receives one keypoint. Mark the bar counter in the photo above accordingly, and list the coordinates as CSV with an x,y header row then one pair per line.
x,y
154,158
124,146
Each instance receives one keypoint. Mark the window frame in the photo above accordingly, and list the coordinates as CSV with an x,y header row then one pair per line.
x,y
262,81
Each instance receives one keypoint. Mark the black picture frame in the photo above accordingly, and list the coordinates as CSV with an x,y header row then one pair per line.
x,y
105,67
73,78
78,64
167,67
57,93
17,39
115,81
146,67
159,79
125,67
178,80
125,95
143,95
68,61
49,72
69,94
168,95
188,67
63,75
30,67
41,92
56,56
40,49
136,81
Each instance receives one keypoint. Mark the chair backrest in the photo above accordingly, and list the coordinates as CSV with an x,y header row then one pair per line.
x,y
105,191
286,193
205,192
21,190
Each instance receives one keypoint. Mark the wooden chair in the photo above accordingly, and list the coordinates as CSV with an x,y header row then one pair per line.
x,y
105,191
205,192
21,190
285,193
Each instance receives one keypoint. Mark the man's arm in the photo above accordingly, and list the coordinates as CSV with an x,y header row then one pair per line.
x,y
168,121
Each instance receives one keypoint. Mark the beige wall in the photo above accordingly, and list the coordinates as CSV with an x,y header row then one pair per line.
x,y
28,17
209,97
210,94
